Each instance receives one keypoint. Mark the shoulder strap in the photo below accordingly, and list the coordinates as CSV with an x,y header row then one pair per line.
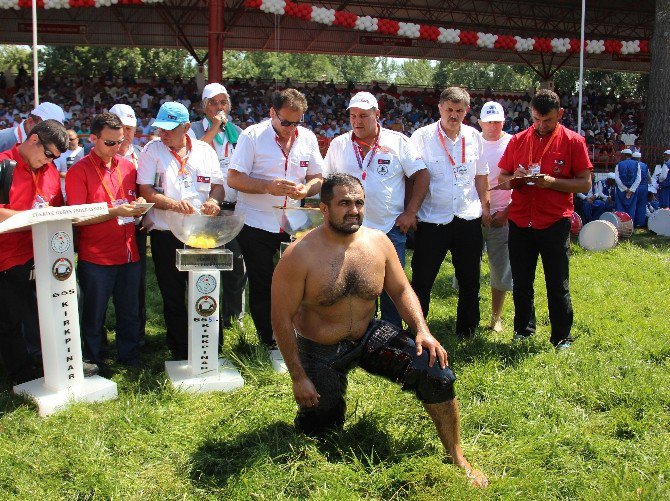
x,y
6,176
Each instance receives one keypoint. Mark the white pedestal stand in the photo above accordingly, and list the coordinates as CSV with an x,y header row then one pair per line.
x,y
203,371
63,382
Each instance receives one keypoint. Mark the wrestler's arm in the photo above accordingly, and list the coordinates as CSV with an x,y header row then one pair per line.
x,y
288,287
398,288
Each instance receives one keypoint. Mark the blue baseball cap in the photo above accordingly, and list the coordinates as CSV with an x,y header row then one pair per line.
x,y
171,115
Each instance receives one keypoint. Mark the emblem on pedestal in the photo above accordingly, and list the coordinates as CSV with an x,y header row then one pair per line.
x,y
62,269
205,306
205,284
60,242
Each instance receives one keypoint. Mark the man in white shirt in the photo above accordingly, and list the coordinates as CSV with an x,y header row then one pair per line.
x,y
276,163
73,154
16,135
176,173
131,152
456,207
381,159
495,140
221,134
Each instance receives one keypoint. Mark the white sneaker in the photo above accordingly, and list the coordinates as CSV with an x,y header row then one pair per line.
x,y
277,360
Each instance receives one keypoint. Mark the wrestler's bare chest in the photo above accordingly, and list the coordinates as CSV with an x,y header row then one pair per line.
x,y
357,273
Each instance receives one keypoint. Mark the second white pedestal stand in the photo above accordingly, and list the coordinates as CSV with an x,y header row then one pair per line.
x,y
203,371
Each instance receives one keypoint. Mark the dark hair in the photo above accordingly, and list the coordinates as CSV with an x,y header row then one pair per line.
x,y
338,179
544,101
290,98
51,132
455,95
106,119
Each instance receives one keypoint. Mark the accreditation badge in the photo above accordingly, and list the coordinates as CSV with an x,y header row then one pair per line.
x,y
121,220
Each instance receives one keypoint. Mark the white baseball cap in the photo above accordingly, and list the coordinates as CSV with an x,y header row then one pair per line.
x,y
666,152
364,101
492,112
213,89
49,111
637,154
611,175
125,113
626,151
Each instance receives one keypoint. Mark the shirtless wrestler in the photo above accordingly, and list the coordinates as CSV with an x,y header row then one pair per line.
x,y
323,303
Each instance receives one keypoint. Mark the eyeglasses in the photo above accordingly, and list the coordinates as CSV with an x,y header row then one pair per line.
x,y
223,102
288,123
75,138
112,143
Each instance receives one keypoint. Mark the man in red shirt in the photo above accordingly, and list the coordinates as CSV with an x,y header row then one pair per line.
x,y
35,184
539,214
108,257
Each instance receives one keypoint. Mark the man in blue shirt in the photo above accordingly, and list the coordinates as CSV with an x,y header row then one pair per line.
x,y
627,177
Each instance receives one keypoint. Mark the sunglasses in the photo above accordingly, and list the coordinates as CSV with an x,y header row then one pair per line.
x,y
112,143
287,123
47,152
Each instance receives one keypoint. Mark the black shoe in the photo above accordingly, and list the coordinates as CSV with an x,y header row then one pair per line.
x,y
520,338
564,344
91,369
466,334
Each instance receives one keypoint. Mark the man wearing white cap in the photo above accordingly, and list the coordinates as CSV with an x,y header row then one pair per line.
x,y
381,159
664,182
456,207
221,134
131,152
276,163
18,134
607,191
641,192
491,121
628,177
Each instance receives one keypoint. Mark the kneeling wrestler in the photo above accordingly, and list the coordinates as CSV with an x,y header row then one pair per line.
x,y
323,304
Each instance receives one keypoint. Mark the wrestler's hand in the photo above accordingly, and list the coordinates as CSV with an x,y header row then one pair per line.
x,y
406,221
424,340
305,393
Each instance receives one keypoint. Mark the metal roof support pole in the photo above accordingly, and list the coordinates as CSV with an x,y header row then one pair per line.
x,y
215,41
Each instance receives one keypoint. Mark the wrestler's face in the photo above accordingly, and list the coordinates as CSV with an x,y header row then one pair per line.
x,y
345,211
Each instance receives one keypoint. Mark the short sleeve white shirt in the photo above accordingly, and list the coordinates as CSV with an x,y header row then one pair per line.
x,y
385,170
159,168
259,156
452,190
224,152
493,152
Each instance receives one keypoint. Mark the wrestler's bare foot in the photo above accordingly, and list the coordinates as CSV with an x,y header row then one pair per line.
x,y
476,477
496,325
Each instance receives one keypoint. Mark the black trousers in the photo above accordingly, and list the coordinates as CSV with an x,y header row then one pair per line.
x,y
259,248
463,239
172,284
18,300
552,244
233,283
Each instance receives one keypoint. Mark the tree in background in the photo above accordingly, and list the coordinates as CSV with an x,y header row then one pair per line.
x,y
658,120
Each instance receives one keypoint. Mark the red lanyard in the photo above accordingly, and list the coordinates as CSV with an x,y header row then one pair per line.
x,y
109,192
358,151
36,182
286,155
444,145
20,134
530,147
183,161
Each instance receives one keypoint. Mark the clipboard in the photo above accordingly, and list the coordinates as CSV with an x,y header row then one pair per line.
x,y
517,182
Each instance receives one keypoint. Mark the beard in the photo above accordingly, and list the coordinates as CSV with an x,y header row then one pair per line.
x,y
347,226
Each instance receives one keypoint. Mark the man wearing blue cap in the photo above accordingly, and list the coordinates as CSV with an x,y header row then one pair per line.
x,y
176,173
627,176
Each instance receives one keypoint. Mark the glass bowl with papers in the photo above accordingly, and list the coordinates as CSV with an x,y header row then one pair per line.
x,y
204,232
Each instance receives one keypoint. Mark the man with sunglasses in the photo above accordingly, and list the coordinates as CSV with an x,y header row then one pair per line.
x,y
382,160
17,135
35,184
176,173
108,263
276,163
221,134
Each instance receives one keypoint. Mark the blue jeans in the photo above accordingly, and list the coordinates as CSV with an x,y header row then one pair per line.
x,y
98,283
388,310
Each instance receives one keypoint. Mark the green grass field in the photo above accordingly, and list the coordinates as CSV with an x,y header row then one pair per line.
x,y
592,422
